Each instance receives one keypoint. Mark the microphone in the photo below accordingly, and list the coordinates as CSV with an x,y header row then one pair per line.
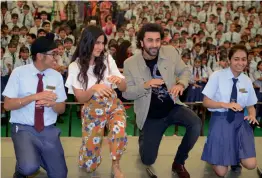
x,y
150,173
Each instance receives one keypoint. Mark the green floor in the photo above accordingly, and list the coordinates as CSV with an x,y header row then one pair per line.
x,y
76,126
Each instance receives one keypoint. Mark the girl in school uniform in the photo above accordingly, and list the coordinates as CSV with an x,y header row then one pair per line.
x,y
92,77
212,57
197,82
230,139
258,82
206,68
222,64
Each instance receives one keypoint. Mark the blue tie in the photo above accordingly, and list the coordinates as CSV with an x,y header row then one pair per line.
x,y
233,98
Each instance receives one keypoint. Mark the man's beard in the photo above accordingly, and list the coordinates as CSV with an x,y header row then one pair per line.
x,y
153,52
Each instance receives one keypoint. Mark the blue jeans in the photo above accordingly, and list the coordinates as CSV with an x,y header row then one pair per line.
x,y
34,149
153,130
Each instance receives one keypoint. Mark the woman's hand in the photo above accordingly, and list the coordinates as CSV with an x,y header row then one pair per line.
x,y
102,90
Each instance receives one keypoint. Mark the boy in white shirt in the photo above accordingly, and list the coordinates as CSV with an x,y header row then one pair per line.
x,y
24,57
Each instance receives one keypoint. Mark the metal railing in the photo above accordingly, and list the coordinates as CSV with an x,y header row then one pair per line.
x,y
71,104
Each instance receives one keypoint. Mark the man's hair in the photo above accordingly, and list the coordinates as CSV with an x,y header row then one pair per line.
x,y
61,29
46,23
150,27
23,28
33,36
26,7
14,15
24,49
68,40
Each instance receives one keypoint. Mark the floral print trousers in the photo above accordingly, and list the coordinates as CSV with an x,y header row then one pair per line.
x,y
96,114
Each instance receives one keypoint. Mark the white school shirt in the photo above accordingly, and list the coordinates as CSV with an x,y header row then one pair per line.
x,y
219,88
74,70
257,75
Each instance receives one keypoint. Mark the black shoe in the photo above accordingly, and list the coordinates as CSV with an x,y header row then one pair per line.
x,y
236,168
18,175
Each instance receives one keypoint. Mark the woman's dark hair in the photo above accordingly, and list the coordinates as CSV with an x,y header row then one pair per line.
x,y
121,54
150,27
236,48
84,51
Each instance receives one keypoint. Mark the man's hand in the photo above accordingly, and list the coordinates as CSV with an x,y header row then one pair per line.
x,y
45,103
153,83
114,79
46,95
176,90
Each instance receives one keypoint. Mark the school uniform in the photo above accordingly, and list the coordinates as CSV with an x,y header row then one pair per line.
x,y
218,68
194,93
5,40
21,62
258,74
36,147
27,20
11,58
4,76
207,70
212,62
69,53
230,137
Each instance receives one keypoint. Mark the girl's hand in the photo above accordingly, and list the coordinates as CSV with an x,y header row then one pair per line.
x,y
251,119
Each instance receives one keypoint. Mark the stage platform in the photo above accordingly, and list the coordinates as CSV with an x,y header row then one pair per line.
x,y
130,163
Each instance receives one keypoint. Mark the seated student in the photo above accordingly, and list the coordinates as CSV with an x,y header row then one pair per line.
x,y
30,38
61,35
24,57
62,61
5,14
5,37
258,82
120,34
37,22
46,26
207,69
186,58
223,63
197,82
69,48
26,17
22,37
212,59
14,22
41,32
15,31
69,34
5,72
11,55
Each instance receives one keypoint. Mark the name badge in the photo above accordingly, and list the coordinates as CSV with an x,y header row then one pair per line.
x,y
242,90
50,88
